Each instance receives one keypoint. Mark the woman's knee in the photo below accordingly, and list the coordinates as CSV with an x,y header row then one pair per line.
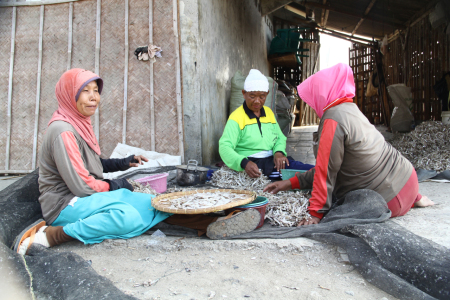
x,y
125,220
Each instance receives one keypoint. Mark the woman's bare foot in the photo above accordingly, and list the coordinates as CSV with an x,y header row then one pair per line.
x,y
424,202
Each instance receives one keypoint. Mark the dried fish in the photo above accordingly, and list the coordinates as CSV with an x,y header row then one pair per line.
x,y
141,188
426,147
285,209
202,200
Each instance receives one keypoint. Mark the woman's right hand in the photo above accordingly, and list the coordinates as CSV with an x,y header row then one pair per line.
x,y
275,187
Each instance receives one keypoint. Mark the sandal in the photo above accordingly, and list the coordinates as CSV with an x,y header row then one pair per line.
x,y
236,223
28,232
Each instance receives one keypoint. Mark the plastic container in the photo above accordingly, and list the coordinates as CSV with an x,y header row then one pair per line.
x,y
445,117
289,173
259,204
158,182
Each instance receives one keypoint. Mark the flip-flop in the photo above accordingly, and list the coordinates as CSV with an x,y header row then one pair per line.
x,y
236,223
28,232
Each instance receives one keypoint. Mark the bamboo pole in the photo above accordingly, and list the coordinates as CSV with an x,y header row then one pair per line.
x,y
32,3
125,78
178,83
152,100
69,43
11,69
97,65
38,90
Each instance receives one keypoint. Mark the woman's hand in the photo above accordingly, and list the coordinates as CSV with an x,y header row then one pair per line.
x,y
280,161
139,159
275,187
252,170
309,221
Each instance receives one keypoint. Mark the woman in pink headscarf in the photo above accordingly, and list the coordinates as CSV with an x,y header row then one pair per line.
x,y
76,202
351,154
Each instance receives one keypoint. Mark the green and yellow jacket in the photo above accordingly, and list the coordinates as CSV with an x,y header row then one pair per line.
x,y
245,134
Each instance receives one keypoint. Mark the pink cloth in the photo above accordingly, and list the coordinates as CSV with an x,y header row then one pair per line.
x,y
67,91
406,198
326,86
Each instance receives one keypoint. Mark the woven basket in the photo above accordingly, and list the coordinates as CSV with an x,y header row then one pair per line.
x,y
164,207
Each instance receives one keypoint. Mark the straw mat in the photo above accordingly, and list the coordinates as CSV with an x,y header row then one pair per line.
x,y
156,202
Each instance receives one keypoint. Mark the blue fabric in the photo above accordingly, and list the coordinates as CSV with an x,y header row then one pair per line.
x,y
119,214
298,165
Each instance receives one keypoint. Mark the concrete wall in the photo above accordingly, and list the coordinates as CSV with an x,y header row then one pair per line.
x,y
218,38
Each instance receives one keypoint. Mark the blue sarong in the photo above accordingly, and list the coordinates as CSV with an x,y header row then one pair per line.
x,y
119,214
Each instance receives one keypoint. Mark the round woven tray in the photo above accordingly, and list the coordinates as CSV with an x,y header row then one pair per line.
x,y
156,202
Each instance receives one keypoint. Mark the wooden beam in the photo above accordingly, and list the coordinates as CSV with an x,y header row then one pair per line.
x,y
269,6
366,12
38,90
324,18
10,85
343,11
178,81
152,99
125,80
422,13
97,65
343,35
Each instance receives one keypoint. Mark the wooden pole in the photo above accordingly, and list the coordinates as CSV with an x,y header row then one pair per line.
x,y
38,90
97,65
69,43
11,70
152,100
125,78
178,83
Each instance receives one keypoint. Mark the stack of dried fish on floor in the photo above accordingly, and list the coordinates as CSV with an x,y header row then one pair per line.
x,y
141,188
202,200
427,147
285,208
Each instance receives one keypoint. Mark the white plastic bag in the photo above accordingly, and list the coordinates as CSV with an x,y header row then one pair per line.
x,y
402,117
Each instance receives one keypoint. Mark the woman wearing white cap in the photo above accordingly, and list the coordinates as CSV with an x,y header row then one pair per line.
x,y
252,139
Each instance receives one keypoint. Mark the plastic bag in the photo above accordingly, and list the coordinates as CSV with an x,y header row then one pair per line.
x,y
401,118
371,90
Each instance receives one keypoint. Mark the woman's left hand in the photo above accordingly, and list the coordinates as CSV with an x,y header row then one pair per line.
x,y
280,161
139,158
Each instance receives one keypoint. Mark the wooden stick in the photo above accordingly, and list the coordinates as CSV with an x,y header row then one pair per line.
x,y
38,90
11,70
152,100
33,3
69,43
178,83
125,78
97,65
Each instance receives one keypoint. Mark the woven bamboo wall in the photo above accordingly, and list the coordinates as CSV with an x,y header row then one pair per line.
x,y
423,62
126,80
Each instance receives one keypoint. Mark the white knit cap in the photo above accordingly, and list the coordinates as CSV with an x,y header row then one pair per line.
x,y
256,82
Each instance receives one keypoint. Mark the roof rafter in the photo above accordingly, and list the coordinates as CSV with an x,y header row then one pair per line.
x,y
366,12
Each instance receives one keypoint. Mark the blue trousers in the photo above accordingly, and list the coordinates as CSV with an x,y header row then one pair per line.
x,y
119,214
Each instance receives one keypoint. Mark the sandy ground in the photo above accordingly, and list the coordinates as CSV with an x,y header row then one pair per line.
x,y
198,268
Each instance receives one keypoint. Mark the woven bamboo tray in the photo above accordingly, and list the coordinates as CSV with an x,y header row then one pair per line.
x,y
164,207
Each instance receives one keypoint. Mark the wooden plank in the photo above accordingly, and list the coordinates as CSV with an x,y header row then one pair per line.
x,y
152,98
125,79
178,80
10,84
38,89
69,43
97,65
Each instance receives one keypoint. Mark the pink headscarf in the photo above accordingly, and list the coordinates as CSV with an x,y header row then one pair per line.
x,y
67,91
326,86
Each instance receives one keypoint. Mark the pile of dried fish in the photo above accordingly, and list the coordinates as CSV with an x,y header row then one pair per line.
x,y
285,208
426,147
202,200
140,188
230,179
